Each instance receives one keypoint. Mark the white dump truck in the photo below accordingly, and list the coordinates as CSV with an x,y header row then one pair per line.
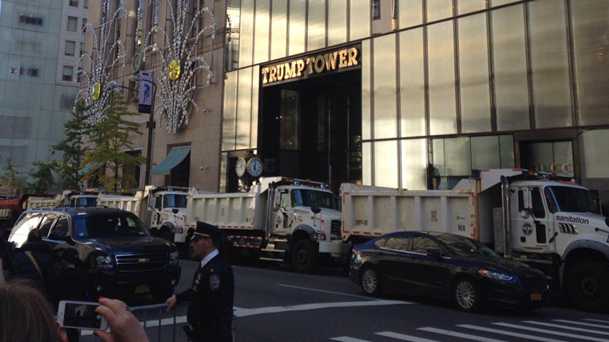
x,y
65,199
546,223
162,209
291,220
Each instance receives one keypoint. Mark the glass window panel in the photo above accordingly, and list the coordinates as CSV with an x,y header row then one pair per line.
x,y
366,81
439,9
337,22
296,38
246,33
367,163
412,83
509,58
468,6
385,99
458,156
223,173
549,62
386,163
502,2
360,19
255,92
279,29
410,13
316,31
229,115
438,156
414,164
563,158
289,138
244,108
595,153
262,26
591,45
441,54
506,149
473,69
485,153
537,156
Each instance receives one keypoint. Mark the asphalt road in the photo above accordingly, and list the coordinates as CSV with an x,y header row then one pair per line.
x,y
274,304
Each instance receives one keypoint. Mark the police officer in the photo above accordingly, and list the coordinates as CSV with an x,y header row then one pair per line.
x,y
210,309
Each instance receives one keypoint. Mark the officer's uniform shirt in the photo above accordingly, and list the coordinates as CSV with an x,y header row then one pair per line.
x,y
210,311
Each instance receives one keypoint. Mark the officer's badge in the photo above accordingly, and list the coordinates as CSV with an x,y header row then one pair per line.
x,y
214,282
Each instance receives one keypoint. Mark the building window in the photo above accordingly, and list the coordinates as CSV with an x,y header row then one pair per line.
x,y
74,3
376,9
84,24
25,19
72,24
32,72
85,3
68,73
70,48
82,48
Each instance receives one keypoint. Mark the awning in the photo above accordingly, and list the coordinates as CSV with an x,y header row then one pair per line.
x,y
173,159
87,169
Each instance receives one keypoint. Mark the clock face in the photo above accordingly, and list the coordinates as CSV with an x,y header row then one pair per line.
x,y
254,167
240,167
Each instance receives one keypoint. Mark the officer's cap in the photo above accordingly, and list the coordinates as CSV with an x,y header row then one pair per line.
x,y
208,230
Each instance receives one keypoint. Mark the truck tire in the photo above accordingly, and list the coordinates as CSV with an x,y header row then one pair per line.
x,y
370,282
166,233
466,295
304,256
587,284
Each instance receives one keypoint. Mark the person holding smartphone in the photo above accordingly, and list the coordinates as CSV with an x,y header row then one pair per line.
x,y
210,311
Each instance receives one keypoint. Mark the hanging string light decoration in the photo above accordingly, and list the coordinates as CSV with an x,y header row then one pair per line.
x,y
96,65
180,61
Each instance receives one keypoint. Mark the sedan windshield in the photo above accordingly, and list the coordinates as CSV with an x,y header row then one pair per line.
x,y
174,201
314,198
574,200
108,226
465,247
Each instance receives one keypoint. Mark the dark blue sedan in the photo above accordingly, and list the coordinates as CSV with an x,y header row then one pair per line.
x,y
448,266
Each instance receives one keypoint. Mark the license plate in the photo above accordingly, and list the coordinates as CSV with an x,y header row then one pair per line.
x,y
536,297
142,289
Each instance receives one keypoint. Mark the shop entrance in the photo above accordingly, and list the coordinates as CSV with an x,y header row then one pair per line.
x,y
311,129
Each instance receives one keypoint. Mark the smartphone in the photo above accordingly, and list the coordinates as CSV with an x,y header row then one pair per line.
x,y
80,315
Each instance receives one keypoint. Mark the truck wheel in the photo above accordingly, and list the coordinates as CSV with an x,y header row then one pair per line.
x,y
587,284
304,256
466,295
370,282
166,233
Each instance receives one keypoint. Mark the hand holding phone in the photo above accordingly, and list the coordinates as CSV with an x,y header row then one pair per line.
x,y
80,315
125,327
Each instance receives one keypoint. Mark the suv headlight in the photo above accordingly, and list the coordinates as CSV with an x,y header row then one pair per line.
x,y
502,277
103,262
174,258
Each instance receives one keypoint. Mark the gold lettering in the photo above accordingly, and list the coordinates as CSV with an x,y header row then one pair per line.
x,y
342,59
319,64
265,71
331,60
290,70
300,65
272,74
353,57
280,70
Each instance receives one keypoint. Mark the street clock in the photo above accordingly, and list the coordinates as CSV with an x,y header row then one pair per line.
x,y
240,167
254,167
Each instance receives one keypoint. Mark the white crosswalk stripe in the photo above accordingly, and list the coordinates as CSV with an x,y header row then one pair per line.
x,y
347,339
509,333
592,325
403,337
459,335
560,326
596,320
551,332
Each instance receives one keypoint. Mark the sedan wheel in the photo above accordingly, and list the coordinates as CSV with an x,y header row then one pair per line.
x,y
370,282
466,295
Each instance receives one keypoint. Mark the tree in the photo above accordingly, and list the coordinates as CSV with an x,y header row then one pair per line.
x,y
72,148
10,179
110,140
41,177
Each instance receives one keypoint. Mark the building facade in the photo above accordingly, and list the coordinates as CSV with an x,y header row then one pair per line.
x,y
417,94
40,44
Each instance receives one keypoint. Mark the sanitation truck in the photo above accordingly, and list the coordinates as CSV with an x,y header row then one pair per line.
x,y
163,209
67,198
289,220
546,223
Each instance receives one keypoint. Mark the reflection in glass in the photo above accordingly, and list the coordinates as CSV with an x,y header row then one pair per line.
x,y
289,138
360,19
414,164
296,38
386,163
255,92
385,101
485,153
549,63
473,68
591,45
337,22
367,163
244,108
279,29
261,39
316,31
246,33
554,157
410,13
468,6
502,2
442,112
509,58
366,93
439,9
412,83
458,156
595,153
229,113
506,151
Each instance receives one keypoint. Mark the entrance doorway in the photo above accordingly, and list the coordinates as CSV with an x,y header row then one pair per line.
x,y
548,156
311,129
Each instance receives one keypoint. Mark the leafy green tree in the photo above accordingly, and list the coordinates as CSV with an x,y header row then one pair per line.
x,y
41,177
10,179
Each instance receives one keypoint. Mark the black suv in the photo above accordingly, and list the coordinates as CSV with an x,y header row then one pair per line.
x,y
102,252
